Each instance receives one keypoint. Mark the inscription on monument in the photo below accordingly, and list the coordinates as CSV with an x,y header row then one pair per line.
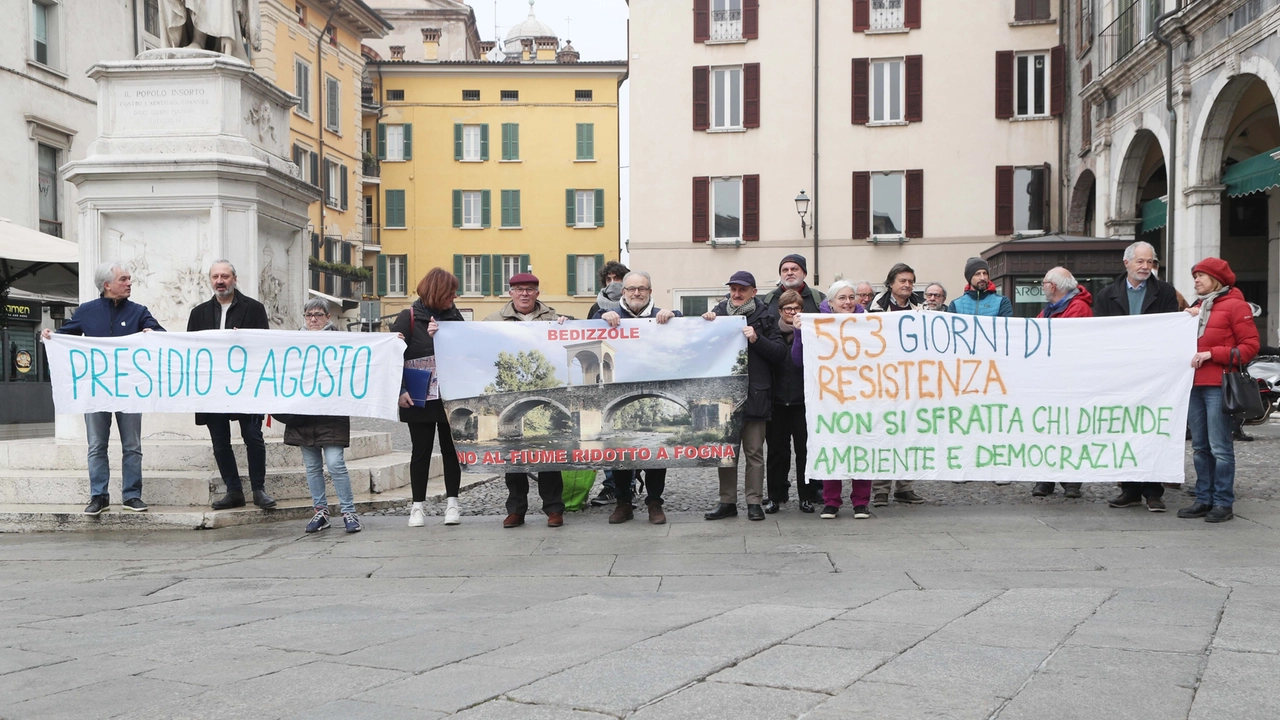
x,y
173,107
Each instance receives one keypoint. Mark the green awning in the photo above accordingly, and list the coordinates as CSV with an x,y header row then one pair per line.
x,y
1155,215
1258,173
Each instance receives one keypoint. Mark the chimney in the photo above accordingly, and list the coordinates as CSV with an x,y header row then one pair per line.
x,y
486,47
547,47
431,44
397,52
527,53
567,54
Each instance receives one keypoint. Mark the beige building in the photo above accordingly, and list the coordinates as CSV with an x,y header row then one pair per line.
x,y
936,126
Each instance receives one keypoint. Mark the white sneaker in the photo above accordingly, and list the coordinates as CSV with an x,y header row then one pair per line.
x,y
452,514
417,518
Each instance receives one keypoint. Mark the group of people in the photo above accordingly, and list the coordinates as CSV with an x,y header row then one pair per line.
x,y
773,426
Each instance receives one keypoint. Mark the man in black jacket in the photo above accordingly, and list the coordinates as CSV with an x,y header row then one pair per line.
x,y
792,274
229,309
764,351
1137,292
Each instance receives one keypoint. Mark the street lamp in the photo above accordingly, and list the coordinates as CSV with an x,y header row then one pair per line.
x,y
802,209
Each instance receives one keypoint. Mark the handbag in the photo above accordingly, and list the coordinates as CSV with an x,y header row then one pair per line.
x,y
1240,394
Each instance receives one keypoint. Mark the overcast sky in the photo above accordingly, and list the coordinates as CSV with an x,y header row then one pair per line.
x,y
598,29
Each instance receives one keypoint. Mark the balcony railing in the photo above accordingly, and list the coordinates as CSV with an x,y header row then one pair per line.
x,y
366,95
1127,32
726,25
336,285
886,14
372,234
371,169
51,227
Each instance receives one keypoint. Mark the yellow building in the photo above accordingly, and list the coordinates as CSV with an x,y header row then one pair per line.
x,y
489,168
312,48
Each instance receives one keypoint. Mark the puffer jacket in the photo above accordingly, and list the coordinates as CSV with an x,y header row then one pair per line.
x,y
987,303
1079,306
1230,327
317,430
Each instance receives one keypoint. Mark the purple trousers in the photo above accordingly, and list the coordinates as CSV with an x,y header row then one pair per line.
x,y
859,492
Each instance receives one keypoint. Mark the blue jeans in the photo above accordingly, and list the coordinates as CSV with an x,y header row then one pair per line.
x,y
333,456
1211,446
98,429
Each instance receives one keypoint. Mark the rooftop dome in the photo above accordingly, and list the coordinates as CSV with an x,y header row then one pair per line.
x,y
530,29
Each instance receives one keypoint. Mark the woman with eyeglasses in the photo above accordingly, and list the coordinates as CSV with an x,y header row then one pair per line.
x,y
787,423
418,326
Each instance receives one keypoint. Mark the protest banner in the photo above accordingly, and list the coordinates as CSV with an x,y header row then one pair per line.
x,y
940,396
544,396
228,371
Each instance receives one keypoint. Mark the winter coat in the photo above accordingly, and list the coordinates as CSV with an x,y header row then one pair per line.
x,y
315,430
987,303
797,343
1113,299
412,323
1230,326
625,313
810,296
108,318
1079,306
763,356
541,311
244,313
788,375
881,303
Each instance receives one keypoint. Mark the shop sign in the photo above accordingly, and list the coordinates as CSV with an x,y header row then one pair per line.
x,y
14,310
22,361
1031,294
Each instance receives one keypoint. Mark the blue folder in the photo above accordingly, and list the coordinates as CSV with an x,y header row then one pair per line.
x,y
418,383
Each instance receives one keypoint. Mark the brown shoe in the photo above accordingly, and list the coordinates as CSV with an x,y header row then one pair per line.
x,y
621,513
513,520
555,519
656,516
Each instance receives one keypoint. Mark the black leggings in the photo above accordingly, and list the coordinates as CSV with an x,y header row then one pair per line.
x,y
423,437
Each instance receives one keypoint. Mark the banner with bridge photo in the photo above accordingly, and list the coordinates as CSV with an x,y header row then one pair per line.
x,y
939,396
544,396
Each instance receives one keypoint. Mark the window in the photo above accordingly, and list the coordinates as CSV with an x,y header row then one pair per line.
x,y
1031,85
726,203
397,274
394,206
368,218
471,95
586,141
582,95
510,96
1024,10
887,204
472,275
331,34
471,209
726,20
471,142
44,32
726,98
301,11
151,17
886,90
302,87
332,104
511,265
886,15
585,276
1085,14
510,141
366,140
308,163
510,208
395,96
584,209
335,185
395,142
1030,199
47,176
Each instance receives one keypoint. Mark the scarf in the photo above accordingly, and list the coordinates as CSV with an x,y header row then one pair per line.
x,y
624,308
1054,308
610,297
786,328
1206,305
745,309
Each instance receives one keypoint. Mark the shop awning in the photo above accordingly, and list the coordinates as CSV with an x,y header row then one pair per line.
x,y
337,302
1155,215
36,262
1258,173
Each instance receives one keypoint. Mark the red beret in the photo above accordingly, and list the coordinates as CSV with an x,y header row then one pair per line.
x,y
523,278
1216,268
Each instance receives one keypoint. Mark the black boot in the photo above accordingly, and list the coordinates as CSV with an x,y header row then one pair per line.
x,y
1042,489
233,499
263,500
725,510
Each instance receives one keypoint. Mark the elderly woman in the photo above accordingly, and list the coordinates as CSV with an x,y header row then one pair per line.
x,y
787,424
841,298
323,440
1226,325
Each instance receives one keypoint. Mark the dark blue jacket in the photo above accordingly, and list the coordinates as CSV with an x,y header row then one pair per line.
x,y
106,318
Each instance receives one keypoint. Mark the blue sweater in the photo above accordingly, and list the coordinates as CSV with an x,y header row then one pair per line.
x,y
106,318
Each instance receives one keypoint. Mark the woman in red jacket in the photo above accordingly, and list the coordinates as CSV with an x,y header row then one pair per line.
x,y
1226,324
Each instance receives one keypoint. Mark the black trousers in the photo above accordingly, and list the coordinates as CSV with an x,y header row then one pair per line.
x,y
787,427
255,450
550,489
1145,489
423,436
655,481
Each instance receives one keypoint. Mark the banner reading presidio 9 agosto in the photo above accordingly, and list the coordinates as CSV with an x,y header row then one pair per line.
x,y
942,396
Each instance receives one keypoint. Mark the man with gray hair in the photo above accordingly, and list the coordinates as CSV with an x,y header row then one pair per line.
x,y
935,297
112,315
1137,292
229,309
1067,299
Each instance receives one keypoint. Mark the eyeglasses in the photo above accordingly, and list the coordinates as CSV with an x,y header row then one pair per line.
x,y
865,295
523,290
791,310
637,289
316,316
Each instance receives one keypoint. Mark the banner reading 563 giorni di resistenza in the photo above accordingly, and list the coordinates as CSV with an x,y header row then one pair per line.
x,y
940,396
544,396
229,371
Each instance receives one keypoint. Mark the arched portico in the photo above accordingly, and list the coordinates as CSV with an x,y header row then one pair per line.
x,y
1081,213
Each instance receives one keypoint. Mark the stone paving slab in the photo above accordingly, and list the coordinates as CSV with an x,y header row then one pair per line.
x,y
1070,698
796,667
1241,686
724,701
868,700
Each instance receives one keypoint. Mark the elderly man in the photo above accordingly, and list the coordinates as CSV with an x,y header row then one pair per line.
x,y
526,307
637,302
229,309
112,315
864,293
899,295
935,297
1137,292
764,351
980,296
1067,299
792,272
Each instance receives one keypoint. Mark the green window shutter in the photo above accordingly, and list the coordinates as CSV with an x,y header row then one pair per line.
x,y
457,271
515,208
497,274
457,208
343,190
484,208
484,141
599,264
591,141
579,139
570,217
573,274
382,141
515,141
457,141
506,141
382,275
485,270
524,263
408,141
599,207
395,209
506,208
